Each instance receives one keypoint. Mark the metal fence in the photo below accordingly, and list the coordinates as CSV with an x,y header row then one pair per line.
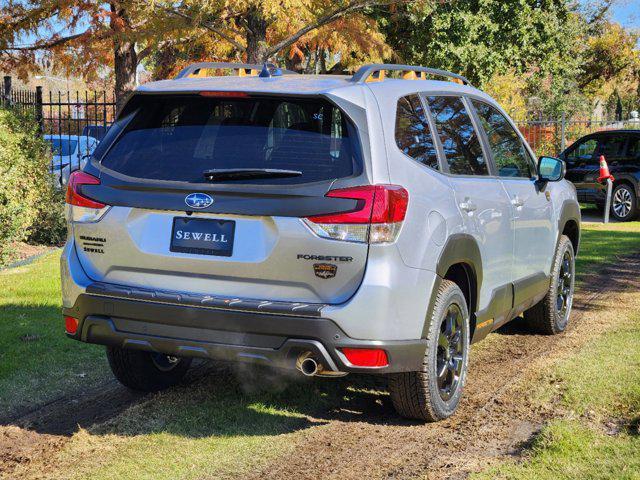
x,y
552,136
73,122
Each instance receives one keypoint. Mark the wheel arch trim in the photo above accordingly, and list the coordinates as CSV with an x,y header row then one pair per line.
x,y
460,248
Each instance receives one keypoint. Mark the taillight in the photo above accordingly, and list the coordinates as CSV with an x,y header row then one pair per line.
x,y
377,218
366,357
82,208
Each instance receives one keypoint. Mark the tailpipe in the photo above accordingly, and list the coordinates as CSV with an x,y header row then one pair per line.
x,y
309,366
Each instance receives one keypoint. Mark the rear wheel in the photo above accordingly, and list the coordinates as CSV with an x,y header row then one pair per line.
x,y
433,393
624,204
551,315
146,371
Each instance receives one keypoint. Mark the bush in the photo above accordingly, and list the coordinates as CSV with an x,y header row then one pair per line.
x,y
29,203
50,226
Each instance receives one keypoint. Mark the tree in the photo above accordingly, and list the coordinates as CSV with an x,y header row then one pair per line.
x,y
123,33
611,66
482,38
114,35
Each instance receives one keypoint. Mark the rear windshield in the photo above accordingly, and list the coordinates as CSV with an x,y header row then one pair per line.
x,y
63,147
179,137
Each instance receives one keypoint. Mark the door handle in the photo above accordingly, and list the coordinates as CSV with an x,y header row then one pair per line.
x,y
468,206
517,202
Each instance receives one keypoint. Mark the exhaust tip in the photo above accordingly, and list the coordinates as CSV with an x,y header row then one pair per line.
x,y
307,364
309,367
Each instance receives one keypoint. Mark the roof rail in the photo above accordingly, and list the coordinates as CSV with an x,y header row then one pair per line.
x,y
244,69
375,72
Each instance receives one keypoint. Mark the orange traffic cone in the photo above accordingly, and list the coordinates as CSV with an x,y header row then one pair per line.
x,y
604,170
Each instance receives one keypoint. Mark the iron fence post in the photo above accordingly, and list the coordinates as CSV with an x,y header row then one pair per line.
x,y
39,114
7,91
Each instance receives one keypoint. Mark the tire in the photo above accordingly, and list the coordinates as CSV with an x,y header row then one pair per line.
x,y
420,395
624,203
146,371
549,317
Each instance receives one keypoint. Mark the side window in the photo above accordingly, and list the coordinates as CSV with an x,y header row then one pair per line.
x,y
611,146
458,137
413,136
582,152
633,150
509,153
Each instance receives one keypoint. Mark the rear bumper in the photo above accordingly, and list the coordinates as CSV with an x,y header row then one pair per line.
x,y
264,335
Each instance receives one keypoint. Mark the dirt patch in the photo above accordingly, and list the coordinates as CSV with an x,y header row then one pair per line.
x,y
24,253
495,419
365,437
33,435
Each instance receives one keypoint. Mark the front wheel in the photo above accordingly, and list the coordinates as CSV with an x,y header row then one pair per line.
x,y
551,315
434,392
624,203
146,371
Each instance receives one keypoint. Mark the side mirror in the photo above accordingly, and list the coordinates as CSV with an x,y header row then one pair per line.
x,y
551,169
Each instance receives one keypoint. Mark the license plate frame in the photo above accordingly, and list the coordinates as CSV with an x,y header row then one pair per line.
x,y
215,237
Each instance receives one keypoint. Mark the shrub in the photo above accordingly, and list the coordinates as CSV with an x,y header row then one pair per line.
x,y
26,188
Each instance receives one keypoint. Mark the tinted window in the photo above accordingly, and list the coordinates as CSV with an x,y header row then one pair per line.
x,y
633,150
412,131
611,146
509,154
63,147
458,137
583,152
179,137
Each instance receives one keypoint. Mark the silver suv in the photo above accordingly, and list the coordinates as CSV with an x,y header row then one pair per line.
x,y
378,223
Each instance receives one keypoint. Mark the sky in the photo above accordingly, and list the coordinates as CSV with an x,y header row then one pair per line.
x,y
627,13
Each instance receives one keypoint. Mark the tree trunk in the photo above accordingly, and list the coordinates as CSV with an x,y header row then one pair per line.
x,y
256,37
125,59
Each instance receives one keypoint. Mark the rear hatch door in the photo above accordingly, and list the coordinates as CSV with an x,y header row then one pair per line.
x,y
207,193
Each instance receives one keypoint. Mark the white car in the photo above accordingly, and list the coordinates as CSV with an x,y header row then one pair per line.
x,y
330,224
70,152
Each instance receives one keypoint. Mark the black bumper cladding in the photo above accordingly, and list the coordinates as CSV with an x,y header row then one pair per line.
x,y
269,333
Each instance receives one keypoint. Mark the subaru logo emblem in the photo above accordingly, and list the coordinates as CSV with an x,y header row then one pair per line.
x,y
198,200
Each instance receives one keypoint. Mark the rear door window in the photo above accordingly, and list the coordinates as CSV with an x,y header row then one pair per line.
x,y
633,149
509,154
179,137
611,146
458,136
413,135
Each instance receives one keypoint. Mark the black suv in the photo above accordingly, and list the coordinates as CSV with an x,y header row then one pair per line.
x,y
621,148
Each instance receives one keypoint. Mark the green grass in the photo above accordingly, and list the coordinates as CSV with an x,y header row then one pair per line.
x,y
567,449
215,428
37,362
601,243
599,389
212,429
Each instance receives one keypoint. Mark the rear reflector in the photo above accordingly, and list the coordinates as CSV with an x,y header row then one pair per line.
x,y
366,357
71,324
377,218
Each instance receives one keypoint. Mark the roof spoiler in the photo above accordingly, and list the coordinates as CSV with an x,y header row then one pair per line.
x,y
375,72
199,70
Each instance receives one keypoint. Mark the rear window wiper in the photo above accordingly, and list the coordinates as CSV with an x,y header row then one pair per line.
x,y
246,173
